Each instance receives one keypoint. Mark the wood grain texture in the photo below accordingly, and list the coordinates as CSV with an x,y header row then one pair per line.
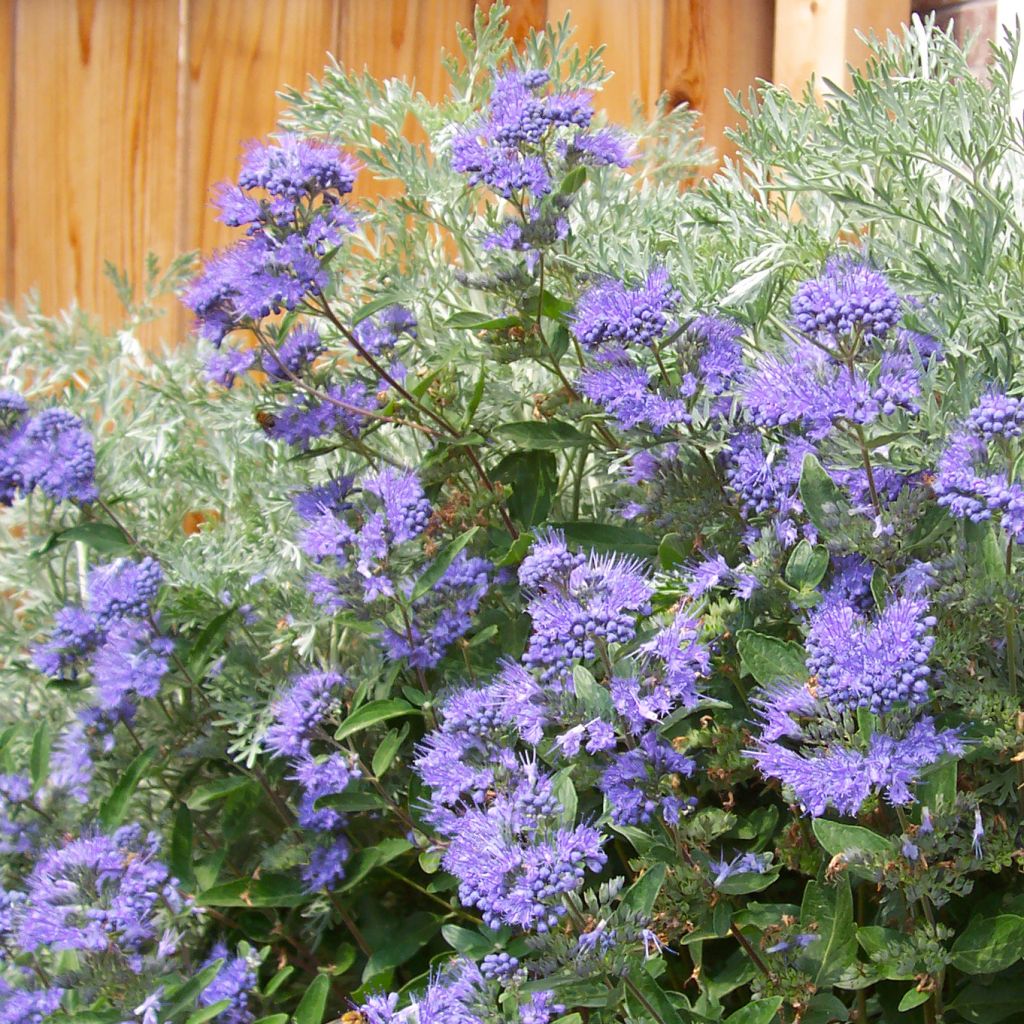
x,y
239,53
524,15
705,54
94,142
7,58
118,116
818,37
631,32
398,39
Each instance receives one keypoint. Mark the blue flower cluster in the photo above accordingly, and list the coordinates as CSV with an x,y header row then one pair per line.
x,y
116,632
850,301
525,141
874,665
50,450
824,767
609,317
290,200
234,981
117,640
292,223
364,544
297,732
970,480
96,892
459,993
878,664
509,841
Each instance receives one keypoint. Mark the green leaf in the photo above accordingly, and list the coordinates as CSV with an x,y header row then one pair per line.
x,y
516,551
983,549
208,1012
439,566
469,943
938,784
673,550
565,793
880,587
761,1011
274,1018
430,861
604,537
39,759
105,538
353,799
743,882
372,713
533,477
536,435
642,894
767,658
199,654
929,528
474,399
888,949
475,320
113,809
823,501
837,837
270,890
553,307
807,565
313,1003
388,749
989,944
365,312
831,910
88,1017
596,700
278,980
573,181
186,995
912,998
180,858
654,996
372,857
982,1003
216,790
416,931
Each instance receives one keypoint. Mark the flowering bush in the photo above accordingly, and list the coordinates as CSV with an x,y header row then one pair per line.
x,y
563,597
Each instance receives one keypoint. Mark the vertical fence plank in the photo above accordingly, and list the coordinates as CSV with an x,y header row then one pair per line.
x,y
240,52
632,33
6,152
402,39
93,137
819,36
117,141
524,15
706,54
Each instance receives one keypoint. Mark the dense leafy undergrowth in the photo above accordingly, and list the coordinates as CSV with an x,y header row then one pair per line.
x,y
563,596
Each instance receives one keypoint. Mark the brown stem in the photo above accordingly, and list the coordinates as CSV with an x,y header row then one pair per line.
x,y
755,957
352,927
440,420
323,396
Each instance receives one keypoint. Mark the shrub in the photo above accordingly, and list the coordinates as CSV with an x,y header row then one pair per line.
x,y
562,597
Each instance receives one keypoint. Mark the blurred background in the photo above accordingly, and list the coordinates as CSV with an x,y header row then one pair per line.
x,y
117,116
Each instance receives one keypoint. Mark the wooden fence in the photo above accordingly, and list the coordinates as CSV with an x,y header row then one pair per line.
x,y
116,116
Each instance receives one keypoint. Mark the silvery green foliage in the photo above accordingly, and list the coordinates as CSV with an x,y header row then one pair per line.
x,y
586,598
